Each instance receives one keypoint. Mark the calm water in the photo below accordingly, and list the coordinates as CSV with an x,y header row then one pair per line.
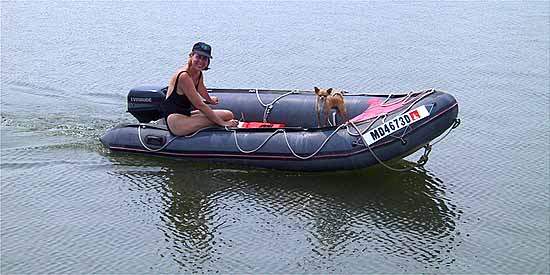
x,y
481,205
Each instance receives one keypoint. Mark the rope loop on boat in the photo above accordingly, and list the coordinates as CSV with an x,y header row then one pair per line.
x,y
269,106
257,148
318,149
151,149
244,151
143,125
454,126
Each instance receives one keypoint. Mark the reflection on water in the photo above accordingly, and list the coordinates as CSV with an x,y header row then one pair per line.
x,y
313,219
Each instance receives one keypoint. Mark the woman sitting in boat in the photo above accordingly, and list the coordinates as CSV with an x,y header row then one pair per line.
x,y
184,108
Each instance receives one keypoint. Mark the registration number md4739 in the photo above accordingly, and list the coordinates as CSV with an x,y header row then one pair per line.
x,y
395,124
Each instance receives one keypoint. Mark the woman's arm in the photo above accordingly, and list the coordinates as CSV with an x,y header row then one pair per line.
x,y
197,101
204,93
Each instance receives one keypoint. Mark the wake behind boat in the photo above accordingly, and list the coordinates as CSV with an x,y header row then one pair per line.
x,y
282,130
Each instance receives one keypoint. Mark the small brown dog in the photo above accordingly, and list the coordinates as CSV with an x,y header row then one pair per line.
x,y
330,100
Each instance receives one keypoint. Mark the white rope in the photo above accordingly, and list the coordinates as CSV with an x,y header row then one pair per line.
x,y
287,143
256,149
427,148
318,150
269,106
150,149
383,94
378,159
455,124
368,127
141,125
385,116
416,100
275,100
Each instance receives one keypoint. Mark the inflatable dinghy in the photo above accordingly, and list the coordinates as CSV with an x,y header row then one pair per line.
x,y
280,129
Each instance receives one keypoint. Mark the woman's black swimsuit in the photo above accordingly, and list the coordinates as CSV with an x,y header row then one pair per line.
x,y
176,103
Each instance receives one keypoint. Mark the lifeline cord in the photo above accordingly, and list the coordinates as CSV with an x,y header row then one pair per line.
x,y
421,162
421,95
142,125
318,150
269,106
423,159
454,126
384,94
416,100
386,102
427,148
409,96
286,141
403,141
256,149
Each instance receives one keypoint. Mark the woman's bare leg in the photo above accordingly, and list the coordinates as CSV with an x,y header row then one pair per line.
x,y
184,125
225,115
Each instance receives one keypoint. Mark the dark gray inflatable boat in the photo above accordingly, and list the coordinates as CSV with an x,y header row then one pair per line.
x,y
286,134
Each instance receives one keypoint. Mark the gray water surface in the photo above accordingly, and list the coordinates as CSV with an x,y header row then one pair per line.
x,y
68,205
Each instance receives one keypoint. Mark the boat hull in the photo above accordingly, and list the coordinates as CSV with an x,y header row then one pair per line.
x,y
296,148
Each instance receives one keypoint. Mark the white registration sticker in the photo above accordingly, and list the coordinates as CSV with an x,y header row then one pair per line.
x,y
395,124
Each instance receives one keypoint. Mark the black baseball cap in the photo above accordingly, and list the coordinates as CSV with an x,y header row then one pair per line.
x,y
202,49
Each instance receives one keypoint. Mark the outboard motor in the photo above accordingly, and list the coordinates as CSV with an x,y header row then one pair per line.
x,y
144,102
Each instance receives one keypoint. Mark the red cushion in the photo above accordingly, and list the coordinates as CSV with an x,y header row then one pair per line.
x,y
260,125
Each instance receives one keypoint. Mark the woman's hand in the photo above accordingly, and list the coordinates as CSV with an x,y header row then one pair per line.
x,y
213,100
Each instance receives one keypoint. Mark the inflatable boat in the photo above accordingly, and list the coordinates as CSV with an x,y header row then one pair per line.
x,y
280,129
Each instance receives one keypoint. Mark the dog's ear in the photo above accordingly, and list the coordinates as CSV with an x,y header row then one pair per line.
x,y
316,90
329,91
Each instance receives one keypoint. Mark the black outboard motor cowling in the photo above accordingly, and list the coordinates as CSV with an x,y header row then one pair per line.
x,y
144,102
